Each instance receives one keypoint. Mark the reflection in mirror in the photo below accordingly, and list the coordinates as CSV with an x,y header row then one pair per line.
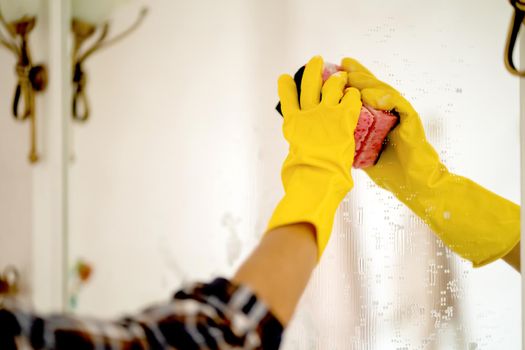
x,y
192,175
90,20
17,21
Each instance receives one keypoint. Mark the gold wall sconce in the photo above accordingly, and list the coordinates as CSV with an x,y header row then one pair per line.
x,y
18,18
89,22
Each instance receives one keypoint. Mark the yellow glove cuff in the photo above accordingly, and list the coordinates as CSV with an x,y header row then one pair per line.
x,y
312,196
475,223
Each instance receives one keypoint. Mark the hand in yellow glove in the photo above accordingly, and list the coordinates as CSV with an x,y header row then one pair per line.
x,y
472,221
316,174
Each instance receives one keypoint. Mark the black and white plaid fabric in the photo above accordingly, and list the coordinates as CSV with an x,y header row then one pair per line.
x,y
217,315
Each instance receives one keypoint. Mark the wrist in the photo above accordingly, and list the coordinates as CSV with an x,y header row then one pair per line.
x,y
290,253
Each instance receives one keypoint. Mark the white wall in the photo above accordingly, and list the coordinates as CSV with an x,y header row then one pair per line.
x,y
171,165
16,181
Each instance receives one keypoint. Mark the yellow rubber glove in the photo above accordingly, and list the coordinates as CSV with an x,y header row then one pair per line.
x,y
316,173
475,223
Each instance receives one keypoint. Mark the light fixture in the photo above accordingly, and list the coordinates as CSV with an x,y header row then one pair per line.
x,y
18,18
89,18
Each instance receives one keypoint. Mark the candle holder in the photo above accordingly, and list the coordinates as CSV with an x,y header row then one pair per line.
x,y
32,78
82,31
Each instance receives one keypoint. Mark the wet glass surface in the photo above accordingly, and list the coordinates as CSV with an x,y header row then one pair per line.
x,y
176,174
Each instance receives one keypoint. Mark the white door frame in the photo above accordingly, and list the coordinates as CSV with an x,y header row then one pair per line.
x,y
49,231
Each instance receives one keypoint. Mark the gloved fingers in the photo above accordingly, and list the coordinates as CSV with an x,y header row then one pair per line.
x,y
386,100
287,94
352,65
333,89
311,83
352,102
410,130
363,80
387,167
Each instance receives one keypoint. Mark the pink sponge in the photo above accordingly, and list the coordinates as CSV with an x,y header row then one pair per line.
x,y
379,125
372,128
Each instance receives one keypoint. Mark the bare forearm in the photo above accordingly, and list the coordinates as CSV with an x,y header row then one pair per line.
x,y
279,268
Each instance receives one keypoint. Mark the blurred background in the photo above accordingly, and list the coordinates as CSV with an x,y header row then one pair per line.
x,y
173,176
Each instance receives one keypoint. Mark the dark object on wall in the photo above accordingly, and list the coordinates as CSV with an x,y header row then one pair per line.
x,y
515,25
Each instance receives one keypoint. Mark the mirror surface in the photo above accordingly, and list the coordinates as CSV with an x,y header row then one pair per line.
x,y
175,175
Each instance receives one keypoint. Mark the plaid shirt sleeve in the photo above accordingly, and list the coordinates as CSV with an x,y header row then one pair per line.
x,y
216,315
